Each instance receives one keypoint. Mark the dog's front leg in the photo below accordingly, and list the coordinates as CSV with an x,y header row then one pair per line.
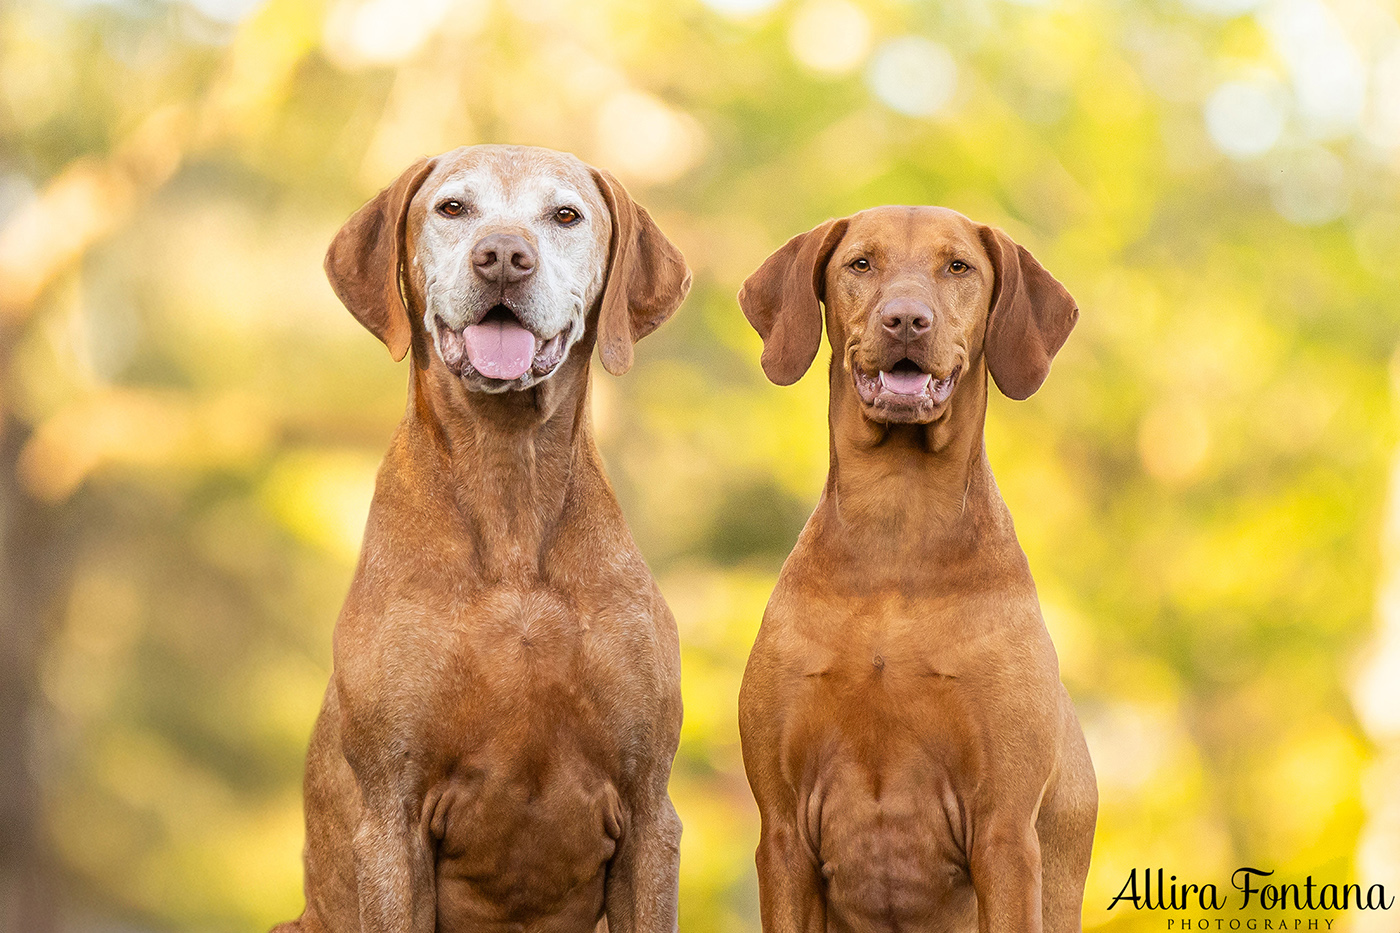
x,y
790,896
1005,866
644,872
393,867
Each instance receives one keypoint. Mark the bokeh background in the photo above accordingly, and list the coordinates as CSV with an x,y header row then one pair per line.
x,y
191,422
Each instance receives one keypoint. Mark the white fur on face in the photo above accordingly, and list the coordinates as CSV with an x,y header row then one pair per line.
x,y
516,191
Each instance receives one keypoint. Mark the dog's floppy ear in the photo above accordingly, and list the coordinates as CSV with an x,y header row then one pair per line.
x,y
365,261
647,277
782,300
1031,316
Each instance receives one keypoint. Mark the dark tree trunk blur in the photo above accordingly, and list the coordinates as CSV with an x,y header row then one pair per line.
x,y
31,574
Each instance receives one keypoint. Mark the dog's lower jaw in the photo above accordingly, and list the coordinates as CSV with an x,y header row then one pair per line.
x,y
900,411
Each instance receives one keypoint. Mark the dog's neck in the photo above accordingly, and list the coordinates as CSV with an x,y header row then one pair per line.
x,y
909,495
509,462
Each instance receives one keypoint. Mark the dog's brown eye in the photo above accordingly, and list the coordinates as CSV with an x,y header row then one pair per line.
x,y
861,265
567,216
451,208
958,267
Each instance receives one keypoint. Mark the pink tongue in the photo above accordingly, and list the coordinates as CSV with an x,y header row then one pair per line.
x,y
500,349
904,383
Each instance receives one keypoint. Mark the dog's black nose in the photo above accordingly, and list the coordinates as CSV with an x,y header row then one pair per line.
x,y
906,318
503,257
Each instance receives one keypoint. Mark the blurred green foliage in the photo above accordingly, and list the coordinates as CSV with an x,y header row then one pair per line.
x,y
1200,485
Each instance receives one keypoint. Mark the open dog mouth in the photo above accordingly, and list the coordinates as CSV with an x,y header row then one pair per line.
x,y
905,382
499,348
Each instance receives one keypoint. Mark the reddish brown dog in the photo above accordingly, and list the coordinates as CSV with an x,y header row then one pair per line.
x,y
495,743
916,760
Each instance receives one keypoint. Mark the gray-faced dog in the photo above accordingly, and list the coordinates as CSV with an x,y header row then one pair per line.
x,y
493,751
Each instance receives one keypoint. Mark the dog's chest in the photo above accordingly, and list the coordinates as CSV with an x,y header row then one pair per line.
x,y
519,667
524,709
875,737
888,714
879,650
923,676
